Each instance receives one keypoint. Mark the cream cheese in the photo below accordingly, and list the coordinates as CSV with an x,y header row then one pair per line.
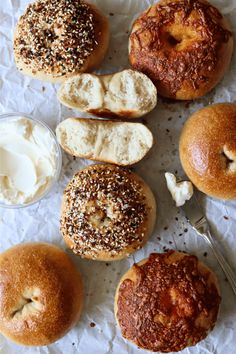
x,y
180,191
28,160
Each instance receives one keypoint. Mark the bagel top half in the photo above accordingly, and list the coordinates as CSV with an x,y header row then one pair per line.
x,y
208,150
55,39
167,302
107,212
184,46
41,294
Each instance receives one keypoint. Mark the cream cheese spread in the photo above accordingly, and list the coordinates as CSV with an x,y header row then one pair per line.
x,y
28,160
180,191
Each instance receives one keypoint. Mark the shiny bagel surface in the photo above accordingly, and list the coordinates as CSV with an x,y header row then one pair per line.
x,y
208,150
41,294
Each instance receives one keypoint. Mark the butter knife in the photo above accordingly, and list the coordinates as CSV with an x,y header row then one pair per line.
x,y
199,223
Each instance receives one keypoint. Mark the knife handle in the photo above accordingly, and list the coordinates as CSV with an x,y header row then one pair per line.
x,y
229,273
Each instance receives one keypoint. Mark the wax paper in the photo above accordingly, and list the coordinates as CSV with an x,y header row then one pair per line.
x,y
97,332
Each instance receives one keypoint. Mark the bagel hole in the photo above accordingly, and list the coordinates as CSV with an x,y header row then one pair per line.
x,y
230,163
101,213
172,41
25,301
29,301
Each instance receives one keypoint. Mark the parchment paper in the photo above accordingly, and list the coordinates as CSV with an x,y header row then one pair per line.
x,y
97,332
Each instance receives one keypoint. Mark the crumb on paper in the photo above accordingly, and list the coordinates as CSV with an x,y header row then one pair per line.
x,y
180,191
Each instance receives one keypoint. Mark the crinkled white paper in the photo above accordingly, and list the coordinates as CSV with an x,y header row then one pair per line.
x,y
97,332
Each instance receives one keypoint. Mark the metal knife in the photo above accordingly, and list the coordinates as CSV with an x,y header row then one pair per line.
x,y
198,221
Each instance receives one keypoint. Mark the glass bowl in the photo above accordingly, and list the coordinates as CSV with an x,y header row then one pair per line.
x,y
54,180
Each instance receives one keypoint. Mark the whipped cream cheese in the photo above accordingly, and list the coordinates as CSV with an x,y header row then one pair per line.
x,y
28,160
180,191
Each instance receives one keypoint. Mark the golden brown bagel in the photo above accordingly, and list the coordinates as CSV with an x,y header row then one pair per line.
x,y
40,294
184,46
167,302
208,150
56,39
107,213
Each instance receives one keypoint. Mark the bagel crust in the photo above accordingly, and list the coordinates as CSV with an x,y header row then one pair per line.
x,y
41,294
184,46
107,213
167,302
208,150
56,39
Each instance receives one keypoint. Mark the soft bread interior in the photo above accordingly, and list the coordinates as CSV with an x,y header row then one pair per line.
x,y
127,93
130,91
118,142
83,91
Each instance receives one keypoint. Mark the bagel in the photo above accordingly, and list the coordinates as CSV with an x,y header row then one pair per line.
x,y
107,213
167,302
208,150
127,94
121,143
41,294
184,46
56,39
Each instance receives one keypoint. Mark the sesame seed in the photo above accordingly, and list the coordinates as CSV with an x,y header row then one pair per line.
x,y
106,210
56,36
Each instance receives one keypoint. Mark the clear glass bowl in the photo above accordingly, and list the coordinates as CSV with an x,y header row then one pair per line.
x,y
14,115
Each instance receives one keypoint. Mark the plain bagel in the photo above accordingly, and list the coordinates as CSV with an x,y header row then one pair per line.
x,y
121,143
208,150
184,46
41,294
127,94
